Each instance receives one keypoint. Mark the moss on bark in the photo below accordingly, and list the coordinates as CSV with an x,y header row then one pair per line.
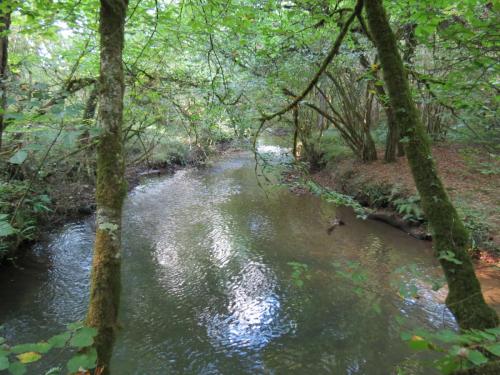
x,y
110,189
451,240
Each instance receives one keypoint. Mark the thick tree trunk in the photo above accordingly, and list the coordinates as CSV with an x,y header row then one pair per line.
x,y
465,298
4,59
110,190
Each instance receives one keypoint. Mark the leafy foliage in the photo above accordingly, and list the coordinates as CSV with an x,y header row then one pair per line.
x,y
337,198
459,351
16,359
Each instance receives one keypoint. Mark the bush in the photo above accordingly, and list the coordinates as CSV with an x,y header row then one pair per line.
x,y
333,147
21,211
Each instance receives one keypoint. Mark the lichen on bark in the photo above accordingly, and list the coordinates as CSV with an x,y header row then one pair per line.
x,y
451,241
110,188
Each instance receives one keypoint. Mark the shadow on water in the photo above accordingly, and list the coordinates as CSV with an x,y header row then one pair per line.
x,y
208,287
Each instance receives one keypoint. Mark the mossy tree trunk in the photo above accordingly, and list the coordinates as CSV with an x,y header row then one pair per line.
x,y
451,241
5,13
110,190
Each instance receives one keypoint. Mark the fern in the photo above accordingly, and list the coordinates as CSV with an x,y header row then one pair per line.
x,y
337,198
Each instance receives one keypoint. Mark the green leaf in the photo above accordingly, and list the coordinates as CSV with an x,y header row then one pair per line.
x,y
449,256
495,331
84,337
447,365
14,116
493,349
17,368
4,363
29,357
41,347
83,361
406,336
59,341
74,326
447,336
6,229
19,157
418,343
476,357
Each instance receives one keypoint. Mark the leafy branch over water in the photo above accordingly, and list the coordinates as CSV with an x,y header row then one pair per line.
x,y
77,339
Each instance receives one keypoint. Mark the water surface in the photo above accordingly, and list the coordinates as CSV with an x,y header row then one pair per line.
x,y
208,285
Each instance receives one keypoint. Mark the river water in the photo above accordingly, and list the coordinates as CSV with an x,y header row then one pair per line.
x,y
223,277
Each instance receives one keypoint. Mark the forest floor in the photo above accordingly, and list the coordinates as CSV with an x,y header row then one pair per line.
x,y
470,175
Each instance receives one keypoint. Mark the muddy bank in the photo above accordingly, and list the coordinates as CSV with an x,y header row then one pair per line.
x,y
389,190
486,264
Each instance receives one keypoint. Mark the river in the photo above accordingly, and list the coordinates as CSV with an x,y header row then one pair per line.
x,y
221,276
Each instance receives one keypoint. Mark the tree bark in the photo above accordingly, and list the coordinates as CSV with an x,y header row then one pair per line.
x,y
392,139
369,151
91,104
111,188
4,60
451,240
295,150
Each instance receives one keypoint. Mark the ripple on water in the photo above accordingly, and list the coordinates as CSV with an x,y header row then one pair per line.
x,y
250,314
66,290
208,289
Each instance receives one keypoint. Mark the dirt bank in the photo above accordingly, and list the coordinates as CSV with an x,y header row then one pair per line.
x,y
468,174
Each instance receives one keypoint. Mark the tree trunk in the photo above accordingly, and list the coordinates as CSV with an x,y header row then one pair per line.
x,y
369,152
4,60
391,141
295,150
91,104
465,298
110,189
401,148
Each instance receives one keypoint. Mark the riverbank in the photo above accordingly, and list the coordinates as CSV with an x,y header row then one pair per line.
x,y
73,200
388,193
389,189
218,268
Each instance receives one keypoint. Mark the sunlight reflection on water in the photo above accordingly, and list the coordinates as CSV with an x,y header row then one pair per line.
x,y
208,287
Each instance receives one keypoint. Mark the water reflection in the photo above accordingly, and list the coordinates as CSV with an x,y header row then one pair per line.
x,y
208,287
244,311
250,317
